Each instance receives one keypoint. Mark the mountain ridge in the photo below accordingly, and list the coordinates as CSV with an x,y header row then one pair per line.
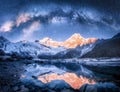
x,y
72,42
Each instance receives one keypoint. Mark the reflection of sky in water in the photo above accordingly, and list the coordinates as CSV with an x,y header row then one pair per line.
x,y
36,70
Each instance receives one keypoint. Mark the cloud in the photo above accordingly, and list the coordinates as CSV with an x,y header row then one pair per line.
x,y
58,20
61,19
22,18
7,26
27,32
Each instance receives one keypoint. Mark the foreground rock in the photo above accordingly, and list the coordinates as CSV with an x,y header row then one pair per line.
x,y
38,86
101,87
58,85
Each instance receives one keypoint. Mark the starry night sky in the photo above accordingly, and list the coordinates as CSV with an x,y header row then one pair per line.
x,y
58,19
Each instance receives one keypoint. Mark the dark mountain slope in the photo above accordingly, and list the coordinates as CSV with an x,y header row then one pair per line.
x,y
106,48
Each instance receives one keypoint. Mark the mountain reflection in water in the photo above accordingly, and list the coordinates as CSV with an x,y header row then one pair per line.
x,y
74,74
72,79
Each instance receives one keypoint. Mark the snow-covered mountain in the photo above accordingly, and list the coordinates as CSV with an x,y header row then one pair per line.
x,y
49,42
70,53
72,42
26,49
74,47
100,48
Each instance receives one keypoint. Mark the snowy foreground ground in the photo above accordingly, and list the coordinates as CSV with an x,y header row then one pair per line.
x,y
61,75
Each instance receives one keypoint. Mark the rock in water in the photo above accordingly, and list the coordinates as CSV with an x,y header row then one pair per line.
x,y
100,87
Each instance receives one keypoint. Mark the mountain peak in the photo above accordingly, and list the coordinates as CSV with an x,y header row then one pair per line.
x,y
46,39
72,42
76,35
49,42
